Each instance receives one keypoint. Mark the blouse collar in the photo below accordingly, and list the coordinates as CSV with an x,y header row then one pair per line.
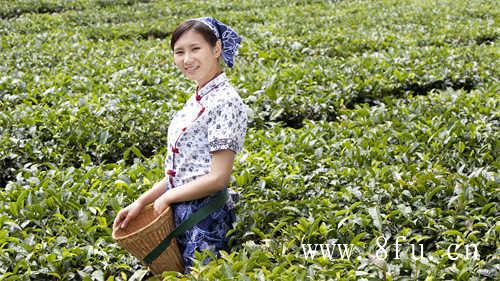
x,y
211,85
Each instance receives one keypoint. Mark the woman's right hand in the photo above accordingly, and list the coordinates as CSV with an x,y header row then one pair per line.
x,y
126,214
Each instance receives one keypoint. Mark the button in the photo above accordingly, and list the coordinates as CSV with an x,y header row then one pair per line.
x,y
171,173
175,149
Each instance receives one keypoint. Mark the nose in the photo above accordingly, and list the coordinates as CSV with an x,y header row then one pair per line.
x,y
187,58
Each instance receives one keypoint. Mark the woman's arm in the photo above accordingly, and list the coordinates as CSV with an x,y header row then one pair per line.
x,y
218,178
152,194
131,211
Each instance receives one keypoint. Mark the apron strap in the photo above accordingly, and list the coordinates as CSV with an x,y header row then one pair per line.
x,y
215,203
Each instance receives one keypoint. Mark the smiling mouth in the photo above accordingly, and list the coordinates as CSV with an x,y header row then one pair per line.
x,y
192,69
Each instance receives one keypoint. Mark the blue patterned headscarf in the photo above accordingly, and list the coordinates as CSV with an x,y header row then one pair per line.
x,y
229,38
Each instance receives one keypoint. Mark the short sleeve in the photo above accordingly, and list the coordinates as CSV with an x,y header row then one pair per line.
x,y
227,124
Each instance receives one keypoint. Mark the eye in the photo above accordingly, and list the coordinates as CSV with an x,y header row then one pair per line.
x,y
196,48
178,52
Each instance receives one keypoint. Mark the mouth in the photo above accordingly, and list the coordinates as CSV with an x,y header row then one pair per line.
x,y
192,69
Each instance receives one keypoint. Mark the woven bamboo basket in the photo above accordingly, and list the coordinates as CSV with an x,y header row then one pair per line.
x,y
145,232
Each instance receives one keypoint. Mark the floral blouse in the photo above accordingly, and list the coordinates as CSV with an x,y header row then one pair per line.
x,y
213,119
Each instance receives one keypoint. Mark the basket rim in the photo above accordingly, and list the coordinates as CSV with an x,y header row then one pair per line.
x,y
135,233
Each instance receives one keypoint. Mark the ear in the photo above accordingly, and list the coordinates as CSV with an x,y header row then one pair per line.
x,y
218,48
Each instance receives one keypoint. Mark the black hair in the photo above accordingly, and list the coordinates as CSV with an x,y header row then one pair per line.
x,y
197,26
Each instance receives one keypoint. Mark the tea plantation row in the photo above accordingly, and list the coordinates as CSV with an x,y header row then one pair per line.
x,y
423,168
58,72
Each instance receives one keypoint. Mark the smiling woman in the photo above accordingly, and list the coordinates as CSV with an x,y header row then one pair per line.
x,y
203,139
196,51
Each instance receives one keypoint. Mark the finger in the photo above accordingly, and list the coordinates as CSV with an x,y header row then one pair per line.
x,y
124,223
119,218
155,207
158,210
115,222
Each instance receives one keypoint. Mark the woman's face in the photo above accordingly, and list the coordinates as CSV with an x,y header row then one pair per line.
x,y
194,56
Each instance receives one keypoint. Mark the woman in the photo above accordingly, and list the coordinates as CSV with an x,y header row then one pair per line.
x,y
203,138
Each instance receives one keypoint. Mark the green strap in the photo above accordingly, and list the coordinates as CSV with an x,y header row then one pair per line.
x,y
217,202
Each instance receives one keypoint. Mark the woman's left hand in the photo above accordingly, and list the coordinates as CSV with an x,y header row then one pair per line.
x,y
161,203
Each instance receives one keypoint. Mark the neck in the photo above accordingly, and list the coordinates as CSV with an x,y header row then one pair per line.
x,y
214,74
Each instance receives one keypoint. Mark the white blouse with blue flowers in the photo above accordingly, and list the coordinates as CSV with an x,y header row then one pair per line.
x,y
213,119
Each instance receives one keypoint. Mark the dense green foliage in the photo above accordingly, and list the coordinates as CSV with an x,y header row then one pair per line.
x,y
370,119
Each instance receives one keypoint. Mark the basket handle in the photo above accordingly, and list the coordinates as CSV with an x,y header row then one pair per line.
x,y
215,203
